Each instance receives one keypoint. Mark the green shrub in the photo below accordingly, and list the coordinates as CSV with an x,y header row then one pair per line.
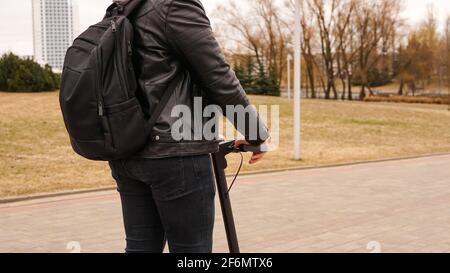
x,y
257,81
25,75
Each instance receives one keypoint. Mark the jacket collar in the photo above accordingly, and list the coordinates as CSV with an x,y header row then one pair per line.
x,y
122,2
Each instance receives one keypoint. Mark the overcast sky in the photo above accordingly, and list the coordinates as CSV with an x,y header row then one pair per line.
x,y
16,28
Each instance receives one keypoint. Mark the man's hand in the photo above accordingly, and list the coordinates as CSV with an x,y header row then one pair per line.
x,y
256,157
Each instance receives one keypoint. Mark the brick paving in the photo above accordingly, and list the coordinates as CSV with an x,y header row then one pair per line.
x,y
395,206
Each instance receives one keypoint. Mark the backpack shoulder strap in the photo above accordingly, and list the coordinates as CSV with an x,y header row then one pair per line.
x,y
163,102
127,10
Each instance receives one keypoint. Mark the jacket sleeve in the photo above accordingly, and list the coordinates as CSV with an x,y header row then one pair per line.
x,y
189,31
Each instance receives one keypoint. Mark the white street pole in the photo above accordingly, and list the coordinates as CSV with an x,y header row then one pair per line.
x,y
289,59
297,82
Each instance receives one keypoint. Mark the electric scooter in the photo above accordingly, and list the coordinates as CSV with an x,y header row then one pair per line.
x,y
220,165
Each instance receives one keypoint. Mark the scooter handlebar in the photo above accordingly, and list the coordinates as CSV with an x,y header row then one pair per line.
x,y
251,148
229,147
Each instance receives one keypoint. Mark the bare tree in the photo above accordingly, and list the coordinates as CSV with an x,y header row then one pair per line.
x,y
262,32
422,60
325,12
375,24
343,42
309,47
308,38
346,52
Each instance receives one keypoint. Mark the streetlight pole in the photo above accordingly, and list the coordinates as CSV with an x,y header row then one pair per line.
x,y
297,82
289,59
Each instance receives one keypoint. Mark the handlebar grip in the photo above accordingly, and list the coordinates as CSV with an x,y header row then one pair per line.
x,y
252,149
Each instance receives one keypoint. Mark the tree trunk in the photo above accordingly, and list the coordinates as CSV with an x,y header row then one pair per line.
x,y
322,85
362,94
327,91
400,89
350,90
370,91
333,88
310,75
307,88
344,88
312,84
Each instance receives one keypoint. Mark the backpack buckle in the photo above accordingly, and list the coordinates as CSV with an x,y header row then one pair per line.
x,y
116,11
120,9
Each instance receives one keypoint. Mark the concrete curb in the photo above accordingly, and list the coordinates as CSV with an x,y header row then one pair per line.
x,y
342,164
52,195
95,190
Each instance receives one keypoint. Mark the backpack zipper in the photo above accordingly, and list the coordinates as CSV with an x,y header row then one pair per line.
x,y
100,108
100,87
130,58
118,61
130,49
113,26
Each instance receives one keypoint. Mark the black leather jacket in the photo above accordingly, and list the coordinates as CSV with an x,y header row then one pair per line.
x,y
175,37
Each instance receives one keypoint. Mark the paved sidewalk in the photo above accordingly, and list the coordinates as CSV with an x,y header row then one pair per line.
x,y
396,206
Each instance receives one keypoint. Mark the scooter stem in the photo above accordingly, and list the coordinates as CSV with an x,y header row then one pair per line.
x,y
220,164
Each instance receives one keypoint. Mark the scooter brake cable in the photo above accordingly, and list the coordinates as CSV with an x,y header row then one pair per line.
x,y
237,174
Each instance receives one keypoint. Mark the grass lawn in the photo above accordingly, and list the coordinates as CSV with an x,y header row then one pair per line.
x,y
35,155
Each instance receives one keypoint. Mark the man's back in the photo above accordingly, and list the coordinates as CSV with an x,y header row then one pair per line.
x,y
175,37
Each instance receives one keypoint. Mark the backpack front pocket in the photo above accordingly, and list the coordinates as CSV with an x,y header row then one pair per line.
x,y
126,127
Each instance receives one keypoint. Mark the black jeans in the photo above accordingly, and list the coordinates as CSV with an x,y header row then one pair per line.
x,y
167,199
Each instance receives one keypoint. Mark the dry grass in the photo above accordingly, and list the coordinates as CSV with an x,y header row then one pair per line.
x,y
35,155
410,99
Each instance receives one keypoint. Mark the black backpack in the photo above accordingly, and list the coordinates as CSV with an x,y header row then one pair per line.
x,y
102,114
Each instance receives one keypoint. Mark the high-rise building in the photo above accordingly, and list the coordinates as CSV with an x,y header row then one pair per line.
x,y
55,26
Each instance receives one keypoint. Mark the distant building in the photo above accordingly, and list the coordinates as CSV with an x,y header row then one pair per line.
x,y
55,26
